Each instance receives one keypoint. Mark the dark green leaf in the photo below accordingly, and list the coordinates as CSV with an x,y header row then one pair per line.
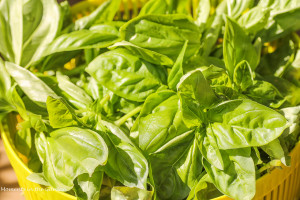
x,y
290,91
279,61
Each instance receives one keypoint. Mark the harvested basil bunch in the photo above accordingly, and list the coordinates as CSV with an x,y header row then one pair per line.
x,y
168,105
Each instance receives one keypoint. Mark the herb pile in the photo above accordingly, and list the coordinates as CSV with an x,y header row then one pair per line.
x,y
166,105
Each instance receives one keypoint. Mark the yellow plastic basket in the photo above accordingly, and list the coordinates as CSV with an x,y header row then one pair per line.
x,y
280,184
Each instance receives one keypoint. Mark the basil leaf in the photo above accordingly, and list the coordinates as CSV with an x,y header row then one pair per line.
x,y
164,34
60,113
159,121
205,64
16,103
276,151
176,167
5,84
126,162
177,70
5,36
237,49
105,12
292,114
277,62
265,93
23,138
126,75
195,96
284,21
83,39
145,54
255,19
45,32
70,152
40,146
289,90
32,86
194,84
38,178
209,149
87,187
237,180
243,76
37,123
237,7
154,7
211,34
13,27
244,123
132,193
204,189
75,92
202,12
